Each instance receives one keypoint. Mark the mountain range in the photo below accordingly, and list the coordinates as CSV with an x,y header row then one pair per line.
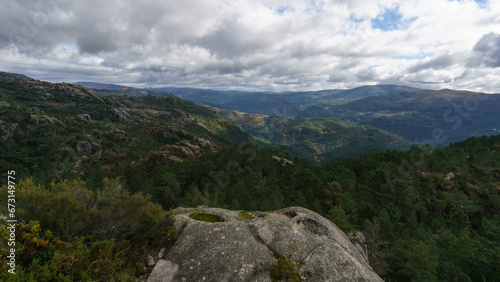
x,y
434,117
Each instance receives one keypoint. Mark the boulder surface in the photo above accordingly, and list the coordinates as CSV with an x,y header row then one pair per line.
x,y
224,245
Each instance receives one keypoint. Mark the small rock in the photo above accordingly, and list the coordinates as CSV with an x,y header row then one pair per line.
x,y
150,261
85,118
120,134
162,252
449,176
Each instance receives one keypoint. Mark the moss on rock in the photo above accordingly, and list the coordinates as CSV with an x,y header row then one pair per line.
x,y
202,216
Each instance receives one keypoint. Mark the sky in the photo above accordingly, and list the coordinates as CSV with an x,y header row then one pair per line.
x,y
257,45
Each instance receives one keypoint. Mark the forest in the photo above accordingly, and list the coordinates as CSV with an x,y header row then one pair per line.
x,y
427,214
97,178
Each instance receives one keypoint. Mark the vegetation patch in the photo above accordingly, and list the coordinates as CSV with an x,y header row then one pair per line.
x,y
245,214
203,216
284,269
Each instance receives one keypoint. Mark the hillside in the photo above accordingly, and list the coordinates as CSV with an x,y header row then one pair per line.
x,y
130,92
316,139
95,85
6,76
56,130
422,116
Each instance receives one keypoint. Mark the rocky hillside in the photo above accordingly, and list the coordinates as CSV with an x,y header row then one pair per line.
x,y
292,244
6,76
54,130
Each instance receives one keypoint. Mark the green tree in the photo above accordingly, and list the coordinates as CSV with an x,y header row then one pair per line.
x,y
421,262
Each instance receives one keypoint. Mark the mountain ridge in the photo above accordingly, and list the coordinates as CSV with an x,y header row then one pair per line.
x,y
435,117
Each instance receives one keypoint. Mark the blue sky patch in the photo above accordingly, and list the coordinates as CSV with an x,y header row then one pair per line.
x,y
481,3
413,57
284,9
390,20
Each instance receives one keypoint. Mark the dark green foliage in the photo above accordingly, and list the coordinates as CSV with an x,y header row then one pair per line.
x,y
75,233
316,139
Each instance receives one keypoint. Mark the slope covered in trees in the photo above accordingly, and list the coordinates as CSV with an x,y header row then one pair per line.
x,y
55,131
317,139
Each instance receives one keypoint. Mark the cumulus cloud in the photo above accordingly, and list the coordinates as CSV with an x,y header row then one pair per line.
x,y
486,52
255,45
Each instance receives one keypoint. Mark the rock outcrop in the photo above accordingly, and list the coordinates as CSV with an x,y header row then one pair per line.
x,y
85,118
122,115
223,245
172,154
282,161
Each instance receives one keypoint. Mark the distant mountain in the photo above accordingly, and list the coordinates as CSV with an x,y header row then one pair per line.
x,y
120,90
7,76
96,85
281,103
131,92
317,139
424,116
278,103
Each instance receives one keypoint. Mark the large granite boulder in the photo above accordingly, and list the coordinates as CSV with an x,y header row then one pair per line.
x,y
223,245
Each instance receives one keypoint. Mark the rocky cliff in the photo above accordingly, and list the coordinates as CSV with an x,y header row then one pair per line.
x,y
292,243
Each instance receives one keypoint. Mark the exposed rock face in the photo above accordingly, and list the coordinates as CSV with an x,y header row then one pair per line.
x,y
244,246
43,118
85,118
172,154
122,114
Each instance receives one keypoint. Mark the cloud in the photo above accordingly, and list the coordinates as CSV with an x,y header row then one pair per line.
x,y
440,62
486,52
255,45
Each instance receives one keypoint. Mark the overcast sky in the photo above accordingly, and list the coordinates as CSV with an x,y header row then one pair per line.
x,y
255,44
